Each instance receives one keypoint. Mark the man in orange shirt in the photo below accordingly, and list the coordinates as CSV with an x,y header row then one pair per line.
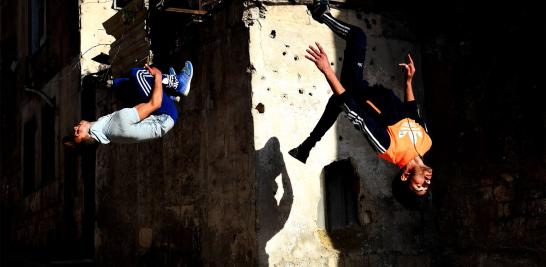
x,y
394,129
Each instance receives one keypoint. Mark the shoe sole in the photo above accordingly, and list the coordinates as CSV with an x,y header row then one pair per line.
x,y
189,83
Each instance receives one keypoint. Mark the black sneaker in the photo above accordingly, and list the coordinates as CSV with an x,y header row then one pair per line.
x,y
300,153
318,8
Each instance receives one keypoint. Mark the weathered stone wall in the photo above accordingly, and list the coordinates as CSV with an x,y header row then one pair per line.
x,y
42,215
289,95
94,39
240,199
187,199
227,184
49,220
220,188
485,84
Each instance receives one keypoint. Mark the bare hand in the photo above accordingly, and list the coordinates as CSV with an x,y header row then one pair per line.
x,y
153,70
319,57
410,68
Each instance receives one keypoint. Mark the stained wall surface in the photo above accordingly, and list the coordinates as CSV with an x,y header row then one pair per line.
x,y
186,199
41,215
289,95
94,38
220,189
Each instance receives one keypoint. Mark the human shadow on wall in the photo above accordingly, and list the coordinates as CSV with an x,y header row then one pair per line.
x,y
273,202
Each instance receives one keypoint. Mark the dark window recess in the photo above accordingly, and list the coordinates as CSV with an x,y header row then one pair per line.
x,y
121,3
29,156
48,144
340,186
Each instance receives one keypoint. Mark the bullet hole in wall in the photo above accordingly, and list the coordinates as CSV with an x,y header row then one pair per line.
x,y
287,46
300,90
250,69
268,89
368,25
296,58
373,48
284,53
273,34
310,94
340,138
263,78
332,63
260,107
340,59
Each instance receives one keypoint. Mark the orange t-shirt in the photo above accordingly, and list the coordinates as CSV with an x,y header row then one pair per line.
x,y
406,136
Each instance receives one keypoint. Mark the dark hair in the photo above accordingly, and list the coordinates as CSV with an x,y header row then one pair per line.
x,y
406,197
69,142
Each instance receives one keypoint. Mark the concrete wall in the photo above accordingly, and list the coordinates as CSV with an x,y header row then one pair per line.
x,y
130,44
227,148
220,188
42,222
49,220
186,199
490,191
293,94
94,39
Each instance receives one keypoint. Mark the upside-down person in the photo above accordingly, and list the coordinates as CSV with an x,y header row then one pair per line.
x,y
395,129
153,116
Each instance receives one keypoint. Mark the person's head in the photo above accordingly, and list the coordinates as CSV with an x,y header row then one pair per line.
x,y
411,185
417,176
81,136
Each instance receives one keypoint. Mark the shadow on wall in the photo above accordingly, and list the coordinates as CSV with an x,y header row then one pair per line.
x,y
174,38
274,194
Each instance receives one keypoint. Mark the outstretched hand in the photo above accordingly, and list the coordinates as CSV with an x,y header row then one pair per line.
x,y
410,68
153,70
319,57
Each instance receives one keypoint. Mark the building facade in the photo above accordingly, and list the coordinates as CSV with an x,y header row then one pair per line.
x,y
220,188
